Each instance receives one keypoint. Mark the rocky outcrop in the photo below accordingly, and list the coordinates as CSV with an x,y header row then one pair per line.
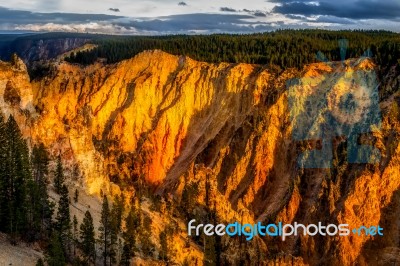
x,y
42,47
170,121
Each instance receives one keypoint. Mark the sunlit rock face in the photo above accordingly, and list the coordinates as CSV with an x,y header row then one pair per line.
x,y
169,121
16,96
154,113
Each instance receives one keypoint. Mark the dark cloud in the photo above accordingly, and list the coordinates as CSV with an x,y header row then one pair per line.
x,y
227,9
256,13
182,4
114,9
184,23
10,16
199,23
306,14
351,9
259,14
336,20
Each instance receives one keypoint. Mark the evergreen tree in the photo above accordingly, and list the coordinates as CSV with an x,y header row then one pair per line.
x,y
116,224
63,219
279,49
131,225
87,243
126,256
59,175
76,196
117,212
55,253
74,234
40,209
40,163
4,178
24,202
14,176
106,234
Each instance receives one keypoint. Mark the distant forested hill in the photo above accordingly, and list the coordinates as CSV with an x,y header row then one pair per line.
x,y
37,47
283,48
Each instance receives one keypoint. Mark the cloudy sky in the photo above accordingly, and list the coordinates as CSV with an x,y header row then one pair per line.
x,y
196,16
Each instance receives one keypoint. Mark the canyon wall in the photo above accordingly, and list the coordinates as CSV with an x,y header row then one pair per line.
x,y
170,121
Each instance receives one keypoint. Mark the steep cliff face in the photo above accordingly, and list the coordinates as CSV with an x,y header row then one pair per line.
x,y
37,49
169,122
17,96
154,113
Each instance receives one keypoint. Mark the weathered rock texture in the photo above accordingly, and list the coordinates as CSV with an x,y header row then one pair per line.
x,y
169,121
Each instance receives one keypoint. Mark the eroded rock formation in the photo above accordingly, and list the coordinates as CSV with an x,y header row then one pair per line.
x,y
170,121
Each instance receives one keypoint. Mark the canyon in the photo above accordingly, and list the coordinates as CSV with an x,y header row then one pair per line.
x,y
166,122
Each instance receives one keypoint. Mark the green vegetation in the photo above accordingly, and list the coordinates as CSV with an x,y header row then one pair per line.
x,y
59,176
88,241
55,253
24,205
131,226
63,219
110,228
26,212
283,48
